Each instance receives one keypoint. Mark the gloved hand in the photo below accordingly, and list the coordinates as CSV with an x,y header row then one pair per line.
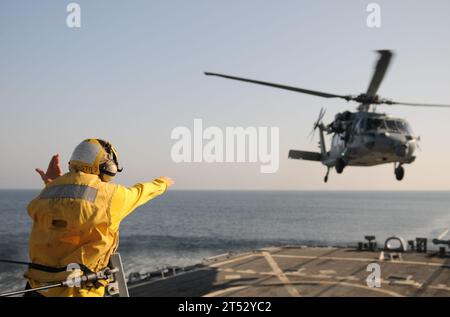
x,y
167,180
53,170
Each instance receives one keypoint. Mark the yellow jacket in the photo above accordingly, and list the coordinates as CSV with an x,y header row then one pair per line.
x,y
76,219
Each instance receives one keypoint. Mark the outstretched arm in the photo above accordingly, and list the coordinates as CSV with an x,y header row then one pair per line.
x,y
53,170
125,200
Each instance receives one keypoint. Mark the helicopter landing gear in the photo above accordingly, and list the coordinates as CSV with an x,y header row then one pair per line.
x,y
326,175
340,165
399,172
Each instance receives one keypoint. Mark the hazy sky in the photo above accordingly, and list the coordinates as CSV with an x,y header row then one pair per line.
x,y
133,72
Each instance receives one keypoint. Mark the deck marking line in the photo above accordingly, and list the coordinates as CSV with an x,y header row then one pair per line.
x,y
233,260
280,274
374,289
224,291
340,280
443,265
440,287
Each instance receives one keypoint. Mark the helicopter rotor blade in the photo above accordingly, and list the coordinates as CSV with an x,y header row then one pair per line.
x,y
322,114
296,89
380,70
412,104
320,117
311,135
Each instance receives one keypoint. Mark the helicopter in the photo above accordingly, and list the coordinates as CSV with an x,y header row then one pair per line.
x,y
363,137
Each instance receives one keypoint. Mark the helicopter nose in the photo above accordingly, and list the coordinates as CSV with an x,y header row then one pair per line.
x,y
401,149
411,147
405,149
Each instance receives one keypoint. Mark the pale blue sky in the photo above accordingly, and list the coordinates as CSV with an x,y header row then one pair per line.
x,y
133,72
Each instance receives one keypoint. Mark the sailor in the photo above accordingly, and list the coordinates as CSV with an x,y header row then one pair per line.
x,y
76,217
337,125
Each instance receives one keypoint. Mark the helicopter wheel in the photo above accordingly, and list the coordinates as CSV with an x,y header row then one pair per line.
x,y
326,175
340,165
399,173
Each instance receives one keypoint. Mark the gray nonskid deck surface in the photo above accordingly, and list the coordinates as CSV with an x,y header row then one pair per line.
x,y
306,271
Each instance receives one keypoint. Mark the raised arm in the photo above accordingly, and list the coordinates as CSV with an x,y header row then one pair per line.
x,y
53,170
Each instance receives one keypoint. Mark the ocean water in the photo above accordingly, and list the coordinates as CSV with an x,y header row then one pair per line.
x,y
183,227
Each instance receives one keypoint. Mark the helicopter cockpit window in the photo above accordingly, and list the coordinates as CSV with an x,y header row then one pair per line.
x,y
404,127
391,126
359,126
374,124
398,126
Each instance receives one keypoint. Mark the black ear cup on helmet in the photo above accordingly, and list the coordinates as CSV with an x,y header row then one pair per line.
x,y
108,170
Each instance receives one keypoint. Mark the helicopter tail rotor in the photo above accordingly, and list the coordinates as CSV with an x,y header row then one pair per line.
x,y
317,123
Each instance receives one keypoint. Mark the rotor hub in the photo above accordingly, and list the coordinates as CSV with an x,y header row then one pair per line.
x,y
368,100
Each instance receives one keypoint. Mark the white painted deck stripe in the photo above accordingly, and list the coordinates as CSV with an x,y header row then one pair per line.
x,y
280,274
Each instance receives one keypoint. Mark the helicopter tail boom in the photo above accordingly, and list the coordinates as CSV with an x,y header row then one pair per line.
x,y
305,155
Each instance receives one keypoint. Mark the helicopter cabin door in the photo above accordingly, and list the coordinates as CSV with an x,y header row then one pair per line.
x,y
337,145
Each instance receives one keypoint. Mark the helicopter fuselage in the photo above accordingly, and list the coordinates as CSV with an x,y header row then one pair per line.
x,y
369,139
363,139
